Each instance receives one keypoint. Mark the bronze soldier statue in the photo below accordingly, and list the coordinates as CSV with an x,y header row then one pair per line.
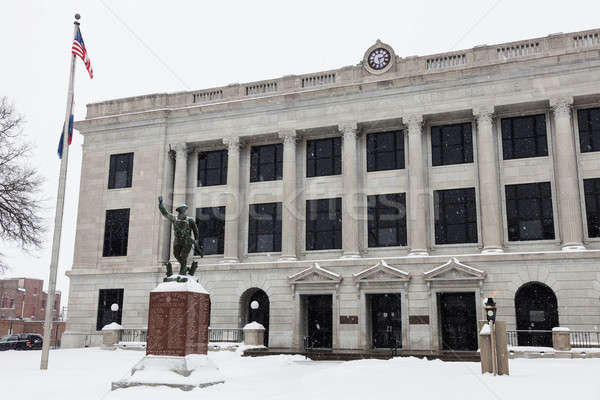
x,y
183,227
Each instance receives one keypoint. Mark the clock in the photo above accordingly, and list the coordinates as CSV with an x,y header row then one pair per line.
x,y
379,58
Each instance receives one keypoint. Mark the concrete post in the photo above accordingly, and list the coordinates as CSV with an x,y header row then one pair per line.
x,y
418,198
232,206
180,182
567,180
350,209
289,211
489,196
561,339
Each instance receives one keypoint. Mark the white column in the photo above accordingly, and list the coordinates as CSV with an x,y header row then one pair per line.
x,y
350,209
418,198
289,211
489,188
567,180
180,181
232,206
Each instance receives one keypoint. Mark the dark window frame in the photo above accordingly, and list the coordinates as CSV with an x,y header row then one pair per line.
x,y
440,146
514,211
379,208
211,226
117,163
514,142
318,228
216,174
589,132
263,171
117,293
591,188
264,218
315,162
463,200
112,217
376,151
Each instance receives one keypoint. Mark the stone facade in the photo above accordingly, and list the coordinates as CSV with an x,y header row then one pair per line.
x,y
555,76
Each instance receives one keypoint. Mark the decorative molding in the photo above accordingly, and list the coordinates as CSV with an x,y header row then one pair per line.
x,y
181,149
381,273
314,275
561,105
415,123
484,115
288,136
454,271
233,143
349,130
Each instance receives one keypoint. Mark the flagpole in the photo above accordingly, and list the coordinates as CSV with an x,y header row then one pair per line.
x,y
60,202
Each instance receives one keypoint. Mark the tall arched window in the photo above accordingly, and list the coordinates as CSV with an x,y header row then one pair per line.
x,y
536,313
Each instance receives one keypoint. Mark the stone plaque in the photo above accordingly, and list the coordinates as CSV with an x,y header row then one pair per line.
x,y
348,319
418,319
178,323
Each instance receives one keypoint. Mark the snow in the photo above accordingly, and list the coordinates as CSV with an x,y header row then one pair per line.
x,y
253,325
113,326
485,330
76,374
560,329
191,285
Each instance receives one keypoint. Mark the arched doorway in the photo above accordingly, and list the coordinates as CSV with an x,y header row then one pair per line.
x,y
536,310
254,306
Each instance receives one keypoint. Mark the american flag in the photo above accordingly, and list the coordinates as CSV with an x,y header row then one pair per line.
x,y
78,49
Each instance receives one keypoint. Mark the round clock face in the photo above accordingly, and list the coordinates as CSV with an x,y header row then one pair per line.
x,y
379,58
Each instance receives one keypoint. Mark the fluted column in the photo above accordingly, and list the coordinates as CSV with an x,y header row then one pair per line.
x,y
232,206
289,213
567,180
350,240
489,194
418,199
180,181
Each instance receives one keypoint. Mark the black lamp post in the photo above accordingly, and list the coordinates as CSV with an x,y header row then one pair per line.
x,y
490,310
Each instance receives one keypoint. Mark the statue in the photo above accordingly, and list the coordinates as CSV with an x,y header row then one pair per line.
x,y
183,227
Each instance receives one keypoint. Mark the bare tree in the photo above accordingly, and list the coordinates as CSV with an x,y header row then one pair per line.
x,y
20,203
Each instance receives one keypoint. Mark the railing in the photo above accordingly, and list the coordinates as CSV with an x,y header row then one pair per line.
x,y
317,80
133,335
538,338
585,339
235,335
518,50
447,61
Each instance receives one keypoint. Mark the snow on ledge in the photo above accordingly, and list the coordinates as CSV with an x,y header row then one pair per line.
x,y
485,330
253,326
113,326
561,329
190,286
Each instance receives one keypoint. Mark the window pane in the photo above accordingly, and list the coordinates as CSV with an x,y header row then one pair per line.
x,y
116,233
455,216
385,151
264,227
592,206
212,168
323,224
120,171
211,227
589,129
386,220
451,144
524,137
529,211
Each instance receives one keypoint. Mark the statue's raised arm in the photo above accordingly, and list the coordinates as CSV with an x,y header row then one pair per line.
x,y
163,211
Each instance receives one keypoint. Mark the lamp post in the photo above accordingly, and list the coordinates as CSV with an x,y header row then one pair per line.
x,y
490,314
114,308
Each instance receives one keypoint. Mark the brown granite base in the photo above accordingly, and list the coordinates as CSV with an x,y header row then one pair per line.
x,y
178,323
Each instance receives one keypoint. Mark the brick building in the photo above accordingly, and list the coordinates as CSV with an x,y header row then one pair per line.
x,y
24,298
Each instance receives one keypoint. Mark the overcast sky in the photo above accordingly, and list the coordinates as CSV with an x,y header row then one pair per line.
x,y
142,47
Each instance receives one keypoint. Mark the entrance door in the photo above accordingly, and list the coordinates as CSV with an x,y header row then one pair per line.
x,y
458,321
386,321
319,320
537,310
258,310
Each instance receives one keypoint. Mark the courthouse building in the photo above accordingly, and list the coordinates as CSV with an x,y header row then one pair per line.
x,y
374,205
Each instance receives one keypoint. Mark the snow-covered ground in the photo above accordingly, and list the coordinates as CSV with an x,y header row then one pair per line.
x,y
84,374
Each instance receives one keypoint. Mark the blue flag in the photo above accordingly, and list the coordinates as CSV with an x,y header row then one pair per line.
x,y
60,143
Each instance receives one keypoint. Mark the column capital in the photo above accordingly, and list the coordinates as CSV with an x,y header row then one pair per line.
x,y
414,122
288,136
484,114
232,142
561,105
181,149
349,130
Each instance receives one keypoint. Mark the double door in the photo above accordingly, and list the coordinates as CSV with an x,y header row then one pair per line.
x,y
386,320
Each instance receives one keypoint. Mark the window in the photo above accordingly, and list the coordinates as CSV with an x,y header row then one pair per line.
x,y
120,171
212,168
324,224
591,188
451,144
12,303
524,137
106,298
387,220
529,211
324,157
211,227
266,162
385,151
589,129
264,227
455,216
116,232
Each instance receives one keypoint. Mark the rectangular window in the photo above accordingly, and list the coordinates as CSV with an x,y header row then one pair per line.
x,y
211,227
455,216
591,188
529,211
264,227
212,168
106,298
116,233
12,303
120,171
324,224
524,137
385,151
266,162
387,220
452,144
589,129
324,157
